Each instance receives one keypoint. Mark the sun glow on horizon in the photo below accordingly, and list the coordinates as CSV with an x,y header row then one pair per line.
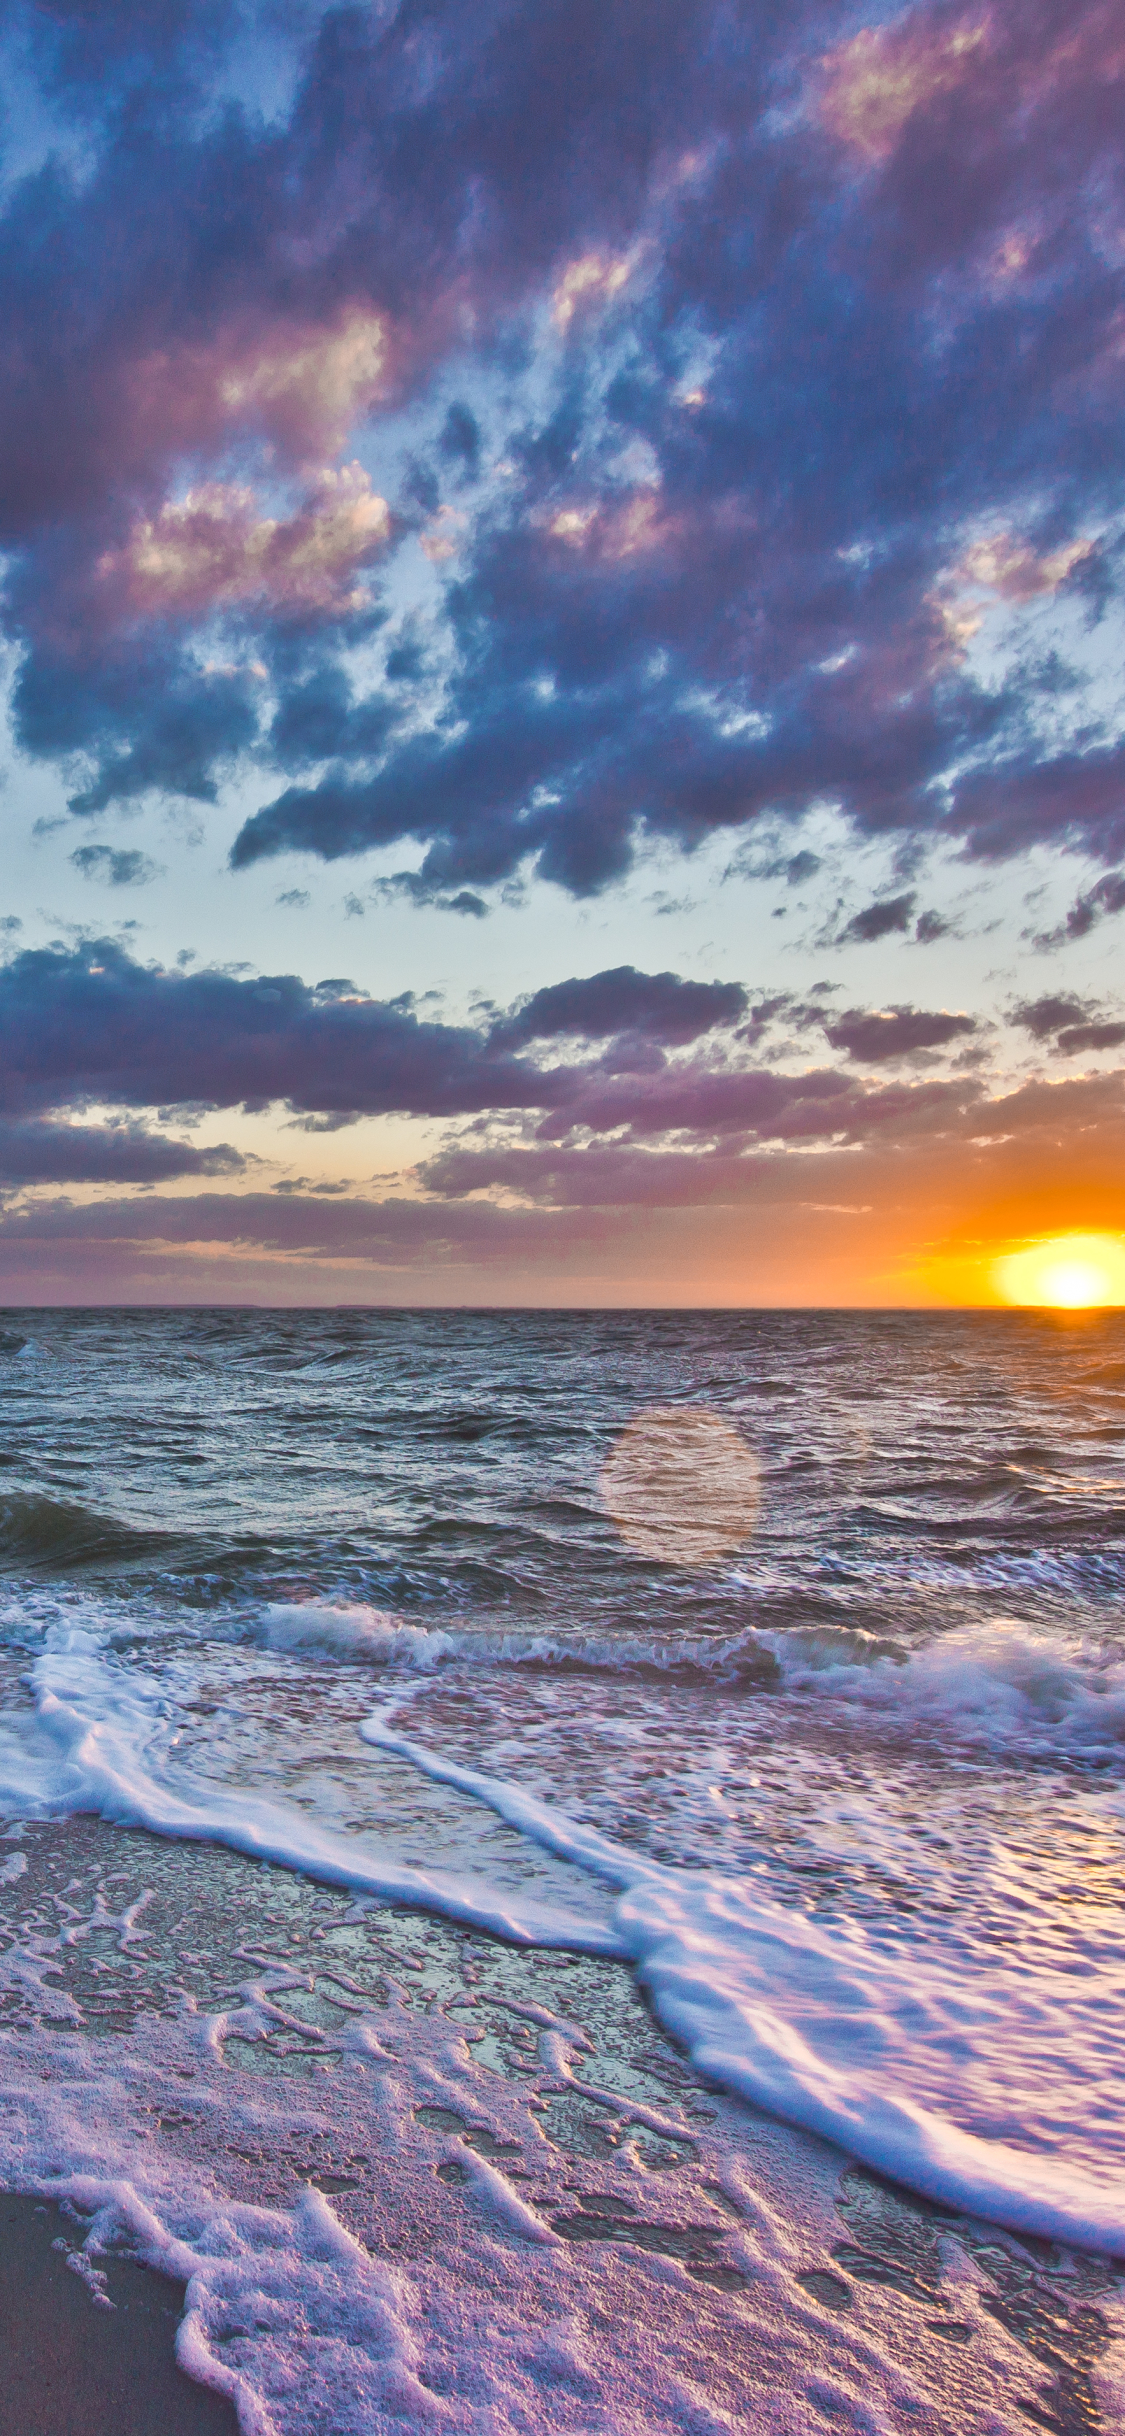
x,y
1065,1273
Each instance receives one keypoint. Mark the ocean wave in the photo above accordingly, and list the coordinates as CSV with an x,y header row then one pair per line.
x,y
373,1637
42,1532
997,1683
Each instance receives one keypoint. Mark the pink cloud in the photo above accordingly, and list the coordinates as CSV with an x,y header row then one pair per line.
x,y
304,384
1016,571
623,529
591,279
874,83
443,539
1003,564
215,549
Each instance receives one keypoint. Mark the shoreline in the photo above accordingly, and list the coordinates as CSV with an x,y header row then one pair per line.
x,y
490,2158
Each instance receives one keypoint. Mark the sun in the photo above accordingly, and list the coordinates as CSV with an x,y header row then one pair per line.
x,y
1065,1273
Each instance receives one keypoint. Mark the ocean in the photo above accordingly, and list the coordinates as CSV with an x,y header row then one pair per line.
x,y
835,1787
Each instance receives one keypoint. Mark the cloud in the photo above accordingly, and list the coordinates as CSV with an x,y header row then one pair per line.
x,y
91,1024
117,866
214,549
592,279
1045,1016
664,1063
303,382
1015,570
33,1153
575,1202
891,1032
660,1005
1107,896
144,720
880,920
873,85
725,393
1073,1025
460,440
1074,798
1081,1037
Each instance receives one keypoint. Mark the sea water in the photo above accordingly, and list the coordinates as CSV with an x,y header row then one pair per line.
x,y
341,1589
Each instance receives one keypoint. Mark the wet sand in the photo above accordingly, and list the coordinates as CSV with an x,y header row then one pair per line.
x,y
79,2365
261,2038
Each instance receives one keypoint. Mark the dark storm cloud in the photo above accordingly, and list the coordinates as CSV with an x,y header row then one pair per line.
x,y
885,1033
829,303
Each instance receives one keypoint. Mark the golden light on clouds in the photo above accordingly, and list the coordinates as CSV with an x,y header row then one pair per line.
x,y
1065,1273
682,1485
875,82
215,549
593,278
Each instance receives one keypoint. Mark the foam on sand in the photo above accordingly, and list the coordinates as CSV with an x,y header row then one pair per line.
x,y
982,2069
998,2092
93,1745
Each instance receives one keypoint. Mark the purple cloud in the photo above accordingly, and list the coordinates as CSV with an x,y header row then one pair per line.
x,y
1073,1025
1107,896
660,1005
33,1153
880,920
807,378
90,1024
889,1032
1044,1017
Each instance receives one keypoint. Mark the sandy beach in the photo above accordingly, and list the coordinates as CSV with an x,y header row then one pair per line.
x,y
215,2066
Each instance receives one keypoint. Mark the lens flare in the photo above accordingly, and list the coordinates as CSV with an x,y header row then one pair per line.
x,y
1065,1273
682,1485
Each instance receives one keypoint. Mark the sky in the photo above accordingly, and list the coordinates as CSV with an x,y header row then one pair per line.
x,y
562,637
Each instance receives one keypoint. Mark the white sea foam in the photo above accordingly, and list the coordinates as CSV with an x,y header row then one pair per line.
x,y
369,1636
997,1683
99,1741
366,1635
507,2327
999,2092
983,2070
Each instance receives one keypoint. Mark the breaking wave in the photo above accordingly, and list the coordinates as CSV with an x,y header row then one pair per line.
x,y
997,1684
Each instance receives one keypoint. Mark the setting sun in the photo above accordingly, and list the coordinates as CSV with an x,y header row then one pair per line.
x,y
1066,1272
